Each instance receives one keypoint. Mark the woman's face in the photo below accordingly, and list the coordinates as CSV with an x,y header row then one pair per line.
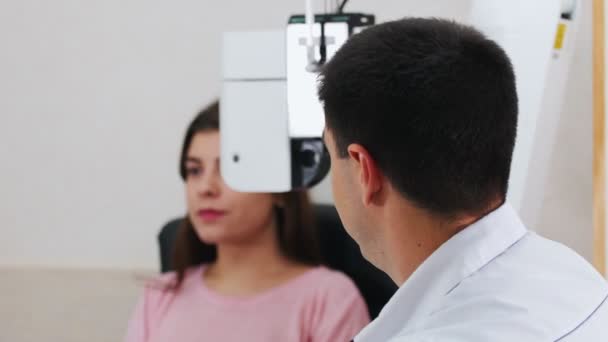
x,y
219,214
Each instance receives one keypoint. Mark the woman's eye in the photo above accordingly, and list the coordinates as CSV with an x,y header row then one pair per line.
x,y
193,171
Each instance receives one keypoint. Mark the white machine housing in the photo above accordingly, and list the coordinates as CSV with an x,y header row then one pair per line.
x,y
271,118
254,139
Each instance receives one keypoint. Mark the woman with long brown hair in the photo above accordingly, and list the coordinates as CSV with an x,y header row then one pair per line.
x,y
247,265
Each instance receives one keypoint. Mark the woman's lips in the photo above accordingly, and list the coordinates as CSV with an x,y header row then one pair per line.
x,y
211,215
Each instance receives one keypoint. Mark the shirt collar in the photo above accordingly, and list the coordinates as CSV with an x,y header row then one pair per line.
x,y
455,260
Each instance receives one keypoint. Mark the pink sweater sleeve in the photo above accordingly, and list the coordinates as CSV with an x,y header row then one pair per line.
x,y
148,310
344,313
137,330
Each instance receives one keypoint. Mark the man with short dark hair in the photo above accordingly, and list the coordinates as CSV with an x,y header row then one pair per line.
x,y
421,120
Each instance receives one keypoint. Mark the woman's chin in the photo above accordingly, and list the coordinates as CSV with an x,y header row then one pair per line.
x,y
211,236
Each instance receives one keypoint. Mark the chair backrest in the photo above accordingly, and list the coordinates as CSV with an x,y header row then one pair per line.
x,y
339,251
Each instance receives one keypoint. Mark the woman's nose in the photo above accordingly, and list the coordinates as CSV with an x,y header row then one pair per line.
x,y
209,185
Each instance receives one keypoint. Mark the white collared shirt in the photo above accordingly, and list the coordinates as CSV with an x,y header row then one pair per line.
x,y
497,281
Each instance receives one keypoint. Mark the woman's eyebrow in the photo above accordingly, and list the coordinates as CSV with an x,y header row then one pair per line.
x,y
193,160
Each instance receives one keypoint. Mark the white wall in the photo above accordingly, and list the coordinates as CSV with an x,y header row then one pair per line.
x,y
95,98
566,211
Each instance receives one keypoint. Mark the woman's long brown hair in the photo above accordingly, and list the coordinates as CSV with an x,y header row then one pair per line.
x,y
295,226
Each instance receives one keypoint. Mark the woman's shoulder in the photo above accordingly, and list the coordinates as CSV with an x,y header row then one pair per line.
x,y
156,297
332,276
161,281
337,311
164,286
329,281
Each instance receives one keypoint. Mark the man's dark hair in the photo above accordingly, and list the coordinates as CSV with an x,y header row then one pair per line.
x,y
435,104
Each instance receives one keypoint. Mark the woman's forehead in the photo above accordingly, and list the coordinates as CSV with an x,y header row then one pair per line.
x,y
205,144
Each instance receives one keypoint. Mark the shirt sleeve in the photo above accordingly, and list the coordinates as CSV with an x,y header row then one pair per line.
x,y
345,313
137,326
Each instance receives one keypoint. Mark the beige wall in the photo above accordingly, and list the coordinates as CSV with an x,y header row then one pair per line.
x,y
66,305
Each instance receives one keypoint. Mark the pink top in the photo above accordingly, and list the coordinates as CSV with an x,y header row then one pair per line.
x,y
318,306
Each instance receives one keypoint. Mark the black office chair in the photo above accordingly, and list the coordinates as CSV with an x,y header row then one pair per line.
x,y
339,252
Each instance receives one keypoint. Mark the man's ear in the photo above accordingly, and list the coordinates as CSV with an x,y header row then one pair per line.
x,y
369,175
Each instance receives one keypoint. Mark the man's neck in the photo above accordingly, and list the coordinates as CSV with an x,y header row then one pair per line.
x,y
414,234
